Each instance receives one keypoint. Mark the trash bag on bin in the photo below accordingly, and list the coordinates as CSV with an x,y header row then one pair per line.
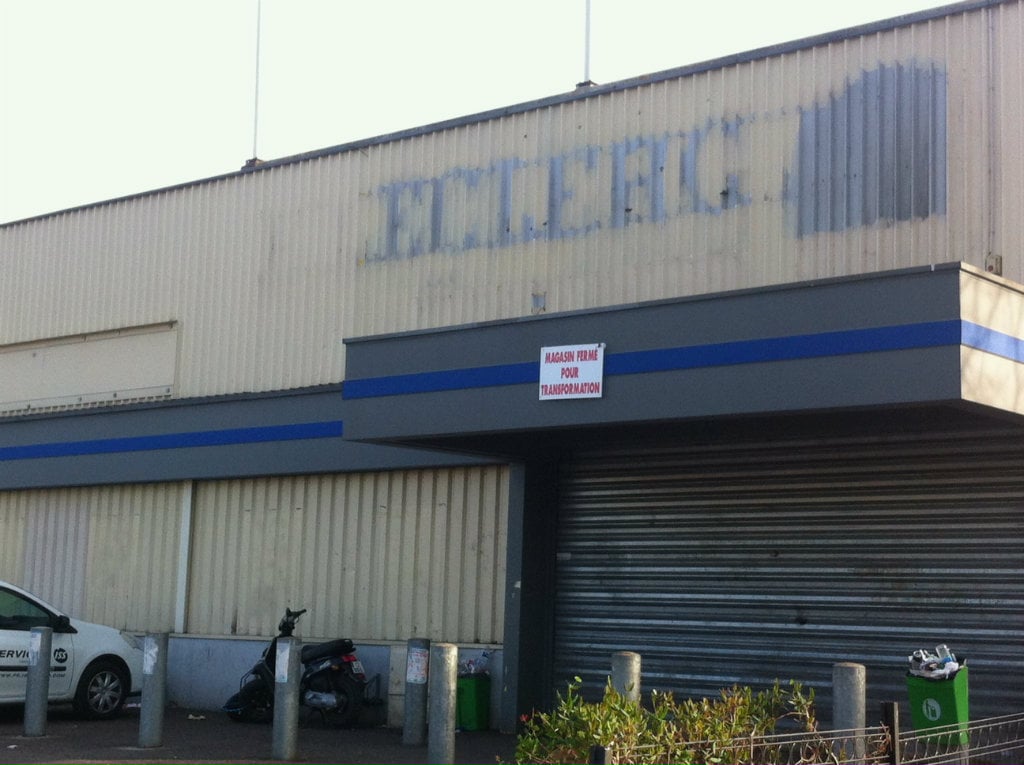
x,y
941,665
478,666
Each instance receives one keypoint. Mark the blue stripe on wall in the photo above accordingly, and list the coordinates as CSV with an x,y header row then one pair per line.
x,y
230,436
818,345
451,379
991,341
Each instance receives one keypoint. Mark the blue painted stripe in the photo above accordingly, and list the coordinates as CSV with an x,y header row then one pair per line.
x,y
450,379
229,436
816,345
811,346
989,340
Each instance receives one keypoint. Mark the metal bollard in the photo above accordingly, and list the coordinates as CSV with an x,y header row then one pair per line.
x,y
417,662
444,664
154,690
37,687
287,673
626,674
848,705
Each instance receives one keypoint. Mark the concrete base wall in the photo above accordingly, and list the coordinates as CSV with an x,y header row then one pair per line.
x,y
202,673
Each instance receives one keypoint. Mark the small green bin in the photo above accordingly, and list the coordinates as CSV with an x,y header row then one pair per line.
x,y
936,703
473,702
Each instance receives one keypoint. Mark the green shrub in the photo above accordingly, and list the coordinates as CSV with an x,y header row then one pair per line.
x,y
721,731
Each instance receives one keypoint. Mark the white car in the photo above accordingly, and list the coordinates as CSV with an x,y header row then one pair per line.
x,y
94,667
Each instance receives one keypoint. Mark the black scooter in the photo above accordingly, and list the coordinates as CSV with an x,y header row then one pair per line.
x,y
333,681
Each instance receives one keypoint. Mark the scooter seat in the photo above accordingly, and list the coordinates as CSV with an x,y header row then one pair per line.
x,y
331,648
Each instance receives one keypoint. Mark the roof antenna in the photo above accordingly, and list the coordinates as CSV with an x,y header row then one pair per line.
x,y
255,160
587,82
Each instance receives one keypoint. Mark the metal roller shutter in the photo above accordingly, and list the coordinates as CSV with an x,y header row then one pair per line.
x,y
743,563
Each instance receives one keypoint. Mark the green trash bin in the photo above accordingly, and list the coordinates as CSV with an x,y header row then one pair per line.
x,y
936,703
473,702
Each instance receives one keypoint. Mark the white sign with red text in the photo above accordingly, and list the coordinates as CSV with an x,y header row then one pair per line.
x,y
571,371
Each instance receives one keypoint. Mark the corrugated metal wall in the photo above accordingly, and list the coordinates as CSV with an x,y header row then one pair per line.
x,y
103,554
373,556
378,556
254,280
875,153
864,154
744,563
13,517
891,149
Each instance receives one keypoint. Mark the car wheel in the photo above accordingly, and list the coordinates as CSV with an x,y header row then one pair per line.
x,y
102,690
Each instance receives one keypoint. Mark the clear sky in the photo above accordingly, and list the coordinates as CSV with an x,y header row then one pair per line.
x,y
104,98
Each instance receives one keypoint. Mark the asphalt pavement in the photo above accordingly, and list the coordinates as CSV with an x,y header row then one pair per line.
x,y
210,737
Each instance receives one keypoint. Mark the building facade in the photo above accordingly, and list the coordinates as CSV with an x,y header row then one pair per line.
x,y
722,365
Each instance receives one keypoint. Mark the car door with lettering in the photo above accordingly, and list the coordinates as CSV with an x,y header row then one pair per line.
x,y
18,615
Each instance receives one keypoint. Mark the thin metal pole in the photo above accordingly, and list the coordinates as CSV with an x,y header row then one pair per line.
x,y
37,688
586,47
891,720
256,89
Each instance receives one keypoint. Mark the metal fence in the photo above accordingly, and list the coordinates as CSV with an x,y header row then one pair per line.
x,y
869,745
992,741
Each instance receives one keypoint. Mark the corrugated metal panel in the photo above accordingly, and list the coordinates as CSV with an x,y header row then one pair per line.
x,y
233,261
373,556
725,564
875,152
103,554
108,368
834,159
57,548
133,555
897,147
1007,25
13,516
